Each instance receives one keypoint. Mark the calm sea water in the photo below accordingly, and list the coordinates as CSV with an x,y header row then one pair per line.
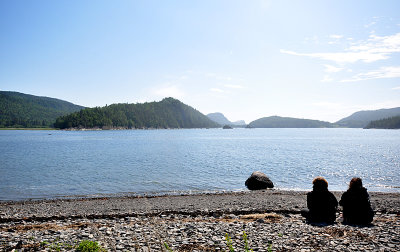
x,y
49,164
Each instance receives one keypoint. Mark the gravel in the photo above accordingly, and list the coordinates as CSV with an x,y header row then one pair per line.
x,y
271,219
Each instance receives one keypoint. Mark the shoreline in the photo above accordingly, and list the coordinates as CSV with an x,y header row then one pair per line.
x,y
193,223
169,194
270,200
28,129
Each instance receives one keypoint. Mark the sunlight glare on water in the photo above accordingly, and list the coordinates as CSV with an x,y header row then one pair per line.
x,y
48,164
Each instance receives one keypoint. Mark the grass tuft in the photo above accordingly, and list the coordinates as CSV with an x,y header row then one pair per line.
x,y
89,246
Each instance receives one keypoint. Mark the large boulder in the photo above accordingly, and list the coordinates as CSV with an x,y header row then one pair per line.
x,y
258,181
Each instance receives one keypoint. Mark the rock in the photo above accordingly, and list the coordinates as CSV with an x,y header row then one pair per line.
x,y
258,181
227,127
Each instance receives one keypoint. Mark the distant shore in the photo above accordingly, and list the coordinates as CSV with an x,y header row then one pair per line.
x,y
28,129
270,218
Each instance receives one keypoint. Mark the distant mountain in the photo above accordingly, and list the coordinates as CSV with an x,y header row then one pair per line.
x,y
23,110
222,120
239,123
219,118
168,113
288,122
362,118
387,123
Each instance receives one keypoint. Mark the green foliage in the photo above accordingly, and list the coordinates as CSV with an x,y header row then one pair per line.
x,y
229,243
89,246
387,123
269,247
168,113
56,246
287,122
44,243
83,246
246,242
167,247
27,111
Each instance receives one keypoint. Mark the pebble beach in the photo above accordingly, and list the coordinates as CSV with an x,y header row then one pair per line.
x,y
270,218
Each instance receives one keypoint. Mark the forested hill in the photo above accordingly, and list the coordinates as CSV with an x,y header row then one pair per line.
x,y
23,110
361,119
168,113
288,122
387,123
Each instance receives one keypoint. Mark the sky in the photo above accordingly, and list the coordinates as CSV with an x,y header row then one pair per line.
x,y
247,59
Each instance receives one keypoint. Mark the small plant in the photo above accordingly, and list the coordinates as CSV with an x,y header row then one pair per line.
x,y
89,246
246,243
229,243
56,246
167,247
44,243
245,240
269,246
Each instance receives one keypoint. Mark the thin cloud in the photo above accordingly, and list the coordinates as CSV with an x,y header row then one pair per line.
x,y
351,108
370,24
217,90
224,78
233,86
332,69
219,77
396,88
381,73
373,49
342,57
336,36
327,78
378,44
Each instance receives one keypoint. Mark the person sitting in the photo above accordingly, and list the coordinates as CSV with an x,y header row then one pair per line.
x,y
356,205
321,203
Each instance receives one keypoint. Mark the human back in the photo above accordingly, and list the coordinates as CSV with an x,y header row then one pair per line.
x,y
356,204
321,203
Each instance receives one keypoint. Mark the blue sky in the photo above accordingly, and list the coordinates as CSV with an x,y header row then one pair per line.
x,y
247,59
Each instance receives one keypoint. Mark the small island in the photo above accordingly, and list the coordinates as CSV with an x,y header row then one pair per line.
x,y
227,127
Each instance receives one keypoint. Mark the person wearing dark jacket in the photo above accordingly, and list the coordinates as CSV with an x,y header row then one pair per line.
x,y
356,205
321,203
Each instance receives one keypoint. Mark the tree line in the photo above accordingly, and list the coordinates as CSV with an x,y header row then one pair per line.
x,y
168,113
387,123
28,111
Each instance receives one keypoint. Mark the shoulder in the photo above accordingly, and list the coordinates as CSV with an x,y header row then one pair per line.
x,y
345,194
332,196
364,192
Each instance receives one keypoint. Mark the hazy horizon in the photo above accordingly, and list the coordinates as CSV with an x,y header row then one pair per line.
x,y
246,59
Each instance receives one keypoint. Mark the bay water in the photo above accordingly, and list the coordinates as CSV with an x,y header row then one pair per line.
x,y
52,164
